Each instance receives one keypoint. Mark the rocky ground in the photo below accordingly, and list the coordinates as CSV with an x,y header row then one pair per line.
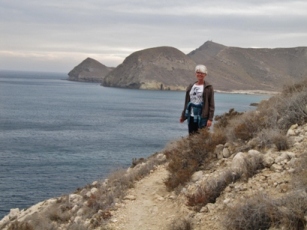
x,y
150,206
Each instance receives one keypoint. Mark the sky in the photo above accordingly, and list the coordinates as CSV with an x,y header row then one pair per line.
x,y
57,35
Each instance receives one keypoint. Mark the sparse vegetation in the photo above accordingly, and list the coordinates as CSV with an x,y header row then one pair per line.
x,y
190,154
262,129
263,212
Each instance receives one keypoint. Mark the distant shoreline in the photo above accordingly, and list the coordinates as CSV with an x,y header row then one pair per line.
x,y
250,92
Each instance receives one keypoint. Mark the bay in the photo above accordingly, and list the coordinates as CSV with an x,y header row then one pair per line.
x,y
58,135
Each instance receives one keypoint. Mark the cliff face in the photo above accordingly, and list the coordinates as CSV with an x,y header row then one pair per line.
x,y
232,68
89,70
164,68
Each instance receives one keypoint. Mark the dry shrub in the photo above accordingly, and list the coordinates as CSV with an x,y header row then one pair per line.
x,y
246,126
223,120
189,155
261,212
252,163
268,137
250,214
20,225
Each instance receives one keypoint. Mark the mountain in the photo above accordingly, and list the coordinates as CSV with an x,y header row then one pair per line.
x,y
233,68
89,70
153,68
230,68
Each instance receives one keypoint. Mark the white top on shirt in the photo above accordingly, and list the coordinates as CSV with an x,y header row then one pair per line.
x,y
196,95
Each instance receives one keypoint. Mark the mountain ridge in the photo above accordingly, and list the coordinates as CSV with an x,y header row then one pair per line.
x,y
230,68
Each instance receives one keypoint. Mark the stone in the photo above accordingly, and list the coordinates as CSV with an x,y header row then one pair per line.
x,y
268,161
226,153
238,162
282,157
129,197
197,176
291,133
94,191
276,168
14,212
74,198
161,157
218,151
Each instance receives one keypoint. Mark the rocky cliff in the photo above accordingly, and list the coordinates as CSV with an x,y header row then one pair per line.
x,y
164,68
89,70
233,68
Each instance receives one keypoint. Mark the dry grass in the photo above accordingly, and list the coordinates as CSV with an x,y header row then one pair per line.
x,y
17,225
189,155
262,212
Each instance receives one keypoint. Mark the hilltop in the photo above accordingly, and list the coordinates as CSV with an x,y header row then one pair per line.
x,y
164,68
89,70
250,68
230,68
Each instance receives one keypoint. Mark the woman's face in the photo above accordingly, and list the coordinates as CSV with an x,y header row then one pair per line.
x,y
200,76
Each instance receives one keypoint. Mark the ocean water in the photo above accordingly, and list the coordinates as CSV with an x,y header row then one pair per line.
x,y
57,135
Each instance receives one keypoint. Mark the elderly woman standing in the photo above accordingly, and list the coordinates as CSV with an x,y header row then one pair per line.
x,y
199,102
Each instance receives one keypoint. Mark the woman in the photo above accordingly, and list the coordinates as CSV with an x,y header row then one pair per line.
x,y
199,102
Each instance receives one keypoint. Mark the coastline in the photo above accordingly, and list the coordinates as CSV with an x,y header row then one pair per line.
x,y
250,92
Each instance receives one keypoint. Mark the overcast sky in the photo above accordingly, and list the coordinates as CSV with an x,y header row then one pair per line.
x,y
56,35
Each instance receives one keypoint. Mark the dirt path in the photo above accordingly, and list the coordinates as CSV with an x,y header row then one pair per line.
x,y
148,206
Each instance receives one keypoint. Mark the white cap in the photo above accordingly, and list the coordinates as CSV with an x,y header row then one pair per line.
x,y
201,68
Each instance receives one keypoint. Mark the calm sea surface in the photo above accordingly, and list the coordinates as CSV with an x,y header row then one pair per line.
x,y
57,135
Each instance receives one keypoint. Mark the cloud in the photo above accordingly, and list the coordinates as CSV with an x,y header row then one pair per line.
x,y
111,30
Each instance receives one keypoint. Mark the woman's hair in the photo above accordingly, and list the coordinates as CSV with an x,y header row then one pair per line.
x,y
201,68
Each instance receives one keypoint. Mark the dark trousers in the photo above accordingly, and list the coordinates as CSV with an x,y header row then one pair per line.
x,y
193,126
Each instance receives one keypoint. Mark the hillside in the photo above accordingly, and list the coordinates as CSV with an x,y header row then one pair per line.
x,y
89,70
155,68
230,68
233,68
149,205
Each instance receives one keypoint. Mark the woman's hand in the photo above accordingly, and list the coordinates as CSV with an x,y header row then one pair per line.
x,y
181,120
209,123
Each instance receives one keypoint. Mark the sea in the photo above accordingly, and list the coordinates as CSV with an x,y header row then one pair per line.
x,y
58,135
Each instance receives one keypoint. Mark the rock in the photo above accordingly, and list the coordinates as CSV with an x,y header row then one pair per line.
x,y
161,157
291,131
94,191
226,153
75,198
268,160
129,197
282,157
197,176
276,168
14,212
238,162
218,151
